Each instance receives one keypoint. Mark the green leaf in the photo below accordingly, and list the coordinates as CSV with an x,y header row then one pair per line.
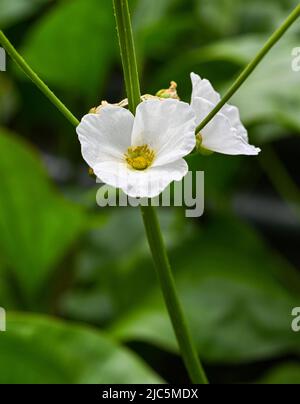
x,y
37,226
40,350
72,47
237,296
288,373
110,276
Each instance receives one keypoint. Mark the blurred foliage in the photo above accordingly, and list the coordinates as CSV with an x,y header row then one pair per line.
x,y
38,350
77,55
36,225
62,256
13,11
285,374
237,299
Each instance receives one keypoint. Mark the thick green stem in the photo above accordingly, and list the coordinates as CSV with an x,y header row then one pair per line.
x,y
128,55
149,214
161,261
251,66
36,80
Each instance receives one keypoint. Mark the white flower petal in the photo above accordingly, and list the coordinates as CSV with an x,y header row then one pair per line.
x,y
203,89
141,184
225,133
105,136
166,126
219,135
233,114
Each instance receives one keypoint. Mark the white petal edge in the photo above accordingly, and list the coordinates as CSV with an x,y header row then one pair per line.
x,y
220,136
233,114
167,126
204,89
105,136
141,184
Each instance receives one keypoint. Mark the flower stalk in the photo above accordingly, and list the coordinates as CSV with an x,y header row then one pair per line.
x,y
128,55
149,214
10,49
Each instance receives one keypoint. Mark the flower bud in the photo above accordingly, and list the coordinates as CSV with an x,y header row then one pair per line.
x,y
171,92
91,172
200,149
97,110
147,97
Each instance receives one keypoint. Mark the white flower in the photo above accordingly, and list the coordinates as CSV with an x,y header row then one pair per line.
x,y
141,155
225,133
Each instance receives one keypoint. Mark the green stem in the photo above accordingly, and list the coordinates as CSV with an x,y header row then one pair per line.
x,y
149,214
36,80
251,66
152,226
128,55
180,326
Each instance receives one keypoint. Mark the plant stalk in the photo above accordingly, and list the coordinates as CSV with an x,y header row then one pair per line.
x,y
36,80
150,218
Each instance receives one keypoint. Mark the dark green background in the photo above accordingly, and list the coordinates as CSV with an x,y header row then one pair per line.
x,y
82,300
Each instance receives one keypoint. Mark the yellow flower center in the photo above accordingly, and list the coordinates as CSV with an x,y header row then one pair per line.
x,y
140,157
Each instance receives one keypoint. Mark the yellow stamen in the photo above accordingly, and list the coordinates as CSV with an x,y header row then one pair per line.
x,y
140,157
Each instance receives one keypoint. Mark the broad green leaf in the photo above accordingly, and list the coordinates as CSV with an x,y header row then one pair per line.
x,y
40,350
72,47
235,293
288,373
37,226
110,274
